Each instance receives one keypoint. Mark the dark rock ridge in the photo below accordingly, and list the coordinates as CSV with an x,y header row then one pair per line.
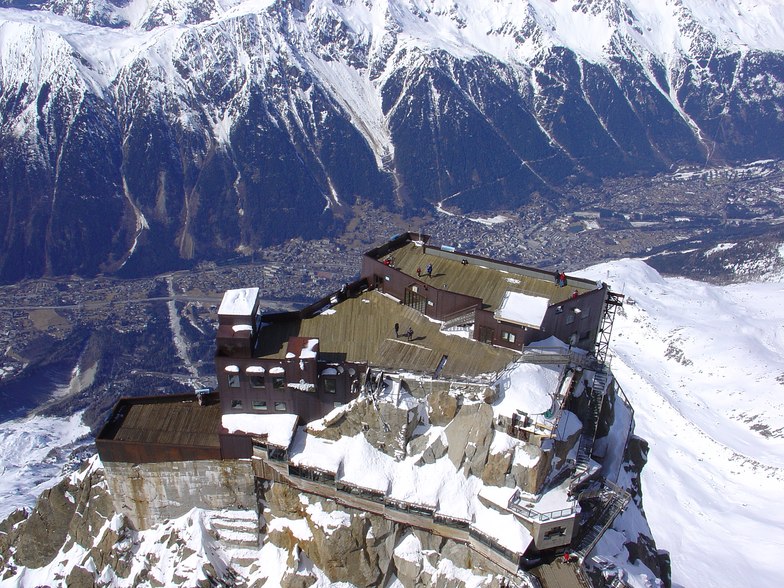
x,y
230,132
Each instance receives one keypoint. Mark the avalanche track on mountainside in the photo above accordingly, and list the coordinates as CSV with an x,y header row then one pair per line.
x,y
235,125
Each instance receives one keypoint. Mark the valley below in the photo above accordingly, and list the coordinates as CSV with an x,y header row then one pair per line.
x,y
83,343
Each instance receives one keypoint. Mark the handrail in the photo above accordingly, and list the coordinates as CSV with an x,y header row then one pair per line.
x,y
531,513
461,312
473,534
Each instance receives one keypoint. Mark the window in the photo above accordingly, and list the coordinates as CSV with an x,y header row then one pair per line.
x,y
486,335
281,406
512,337
259,405
278,383
234,380
330,385
236,403
569,318
508,336
586,313
414,300
555,532
257,381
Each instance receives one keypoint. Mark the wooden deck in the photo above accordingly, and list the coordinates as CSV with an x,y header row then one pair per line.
x,y
475,280
362,330
171,423
560,575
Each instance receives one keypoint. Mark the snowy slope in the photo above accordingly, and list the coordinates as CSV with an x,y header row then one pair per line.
x,y
703,367
34,454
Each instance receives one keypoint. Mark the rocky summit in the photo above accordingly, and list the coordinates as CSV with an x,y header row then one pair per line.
x,y
142,135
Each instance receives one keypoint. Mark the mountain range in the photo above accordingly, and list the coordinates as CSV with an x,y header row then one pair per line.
x,y
143,135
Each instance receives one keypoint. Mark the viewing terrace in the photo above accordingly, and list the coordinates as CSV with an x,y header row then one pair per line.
x,y
481,278
361,329
173,427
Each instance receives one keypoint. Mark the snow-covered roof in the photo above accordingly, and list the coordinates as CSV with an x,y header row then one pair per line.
x,y
439,483
527,388
497,495
503,528
308,350
522,309
279,428
240,302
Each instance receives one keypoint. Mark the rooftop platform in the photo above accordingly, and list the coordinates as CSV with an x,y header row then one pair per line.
x,y
361,329
162,428
479,277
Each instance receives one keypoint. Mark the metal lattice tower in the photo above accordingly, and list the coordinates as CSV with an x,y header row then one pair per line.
x,y
612,302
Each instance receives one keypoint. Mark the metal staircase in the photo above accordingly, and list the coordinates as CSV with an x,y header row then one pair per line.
x,y
615,500
588,437
461,318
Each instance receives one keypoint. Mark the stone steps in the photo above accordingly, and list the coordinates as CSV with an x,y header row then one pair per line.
x,y
236,528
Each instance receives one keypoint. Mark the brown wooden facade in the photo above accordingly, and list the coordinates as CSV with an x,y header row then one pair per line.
x,y
579,329
264,371
157,429
307,387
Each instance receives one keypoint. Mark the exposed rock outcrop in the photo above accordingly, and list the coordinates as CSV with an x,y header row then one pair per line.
x,y
387,426
441,407
364,549
469,435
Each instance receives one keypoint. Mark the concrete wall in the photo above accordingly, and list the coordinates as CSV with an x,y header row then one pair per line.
x,y
551,534
150,493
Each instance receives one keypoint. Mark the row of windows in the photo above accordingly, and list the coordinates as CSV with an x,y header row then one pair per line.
x,y
278,383
259,405
262,405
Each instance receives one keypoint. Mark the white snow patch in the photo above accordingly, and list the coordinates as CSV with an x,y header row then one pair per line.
x,y
279,428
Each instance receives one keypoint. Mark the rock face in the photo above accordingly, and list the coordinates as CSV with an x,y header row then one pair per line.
x,y
233,129
298,539
441,407
63,515
469,435
350,546
76,513
364,549
387,426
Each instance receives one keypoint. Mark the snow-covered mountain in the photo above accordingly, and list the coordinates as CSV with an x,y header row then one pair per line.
x,y
137,135
702,366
